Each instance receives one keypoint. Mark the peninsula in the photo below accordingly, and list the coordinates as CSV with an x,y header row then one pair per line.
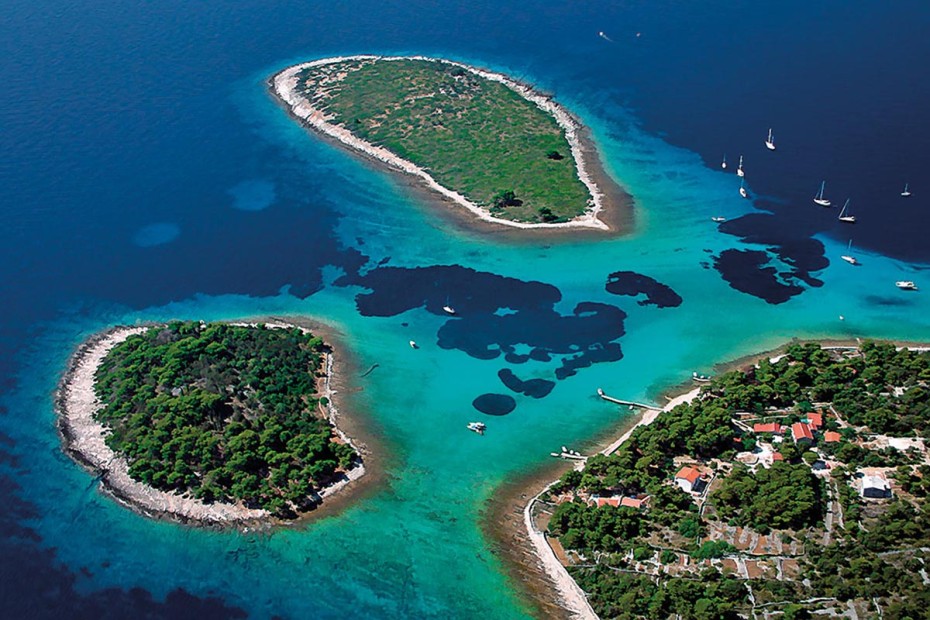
x,y
505,152
796,487
208,423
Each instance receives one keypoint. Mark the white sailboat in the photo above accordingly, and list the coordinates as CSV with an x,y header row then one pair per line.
x,y
848,257
819,199
742,190
448,309
849,219
906,285
906,191
724,164
718,219
739,169
770,141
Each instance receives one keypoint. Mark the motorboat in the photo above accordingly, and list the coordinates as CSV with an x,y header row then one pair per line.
x,y
478,427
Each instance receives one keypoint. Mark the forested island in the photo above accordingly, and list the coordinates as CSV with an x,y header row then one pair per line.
x,y
795,487
487,142
208,421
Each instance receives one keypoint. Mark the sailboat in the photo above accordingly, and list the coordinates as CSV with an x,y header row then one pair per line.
x,y
906,191
848,257
724,164
742,190
448,309
770,141
819,199
850,219
739,169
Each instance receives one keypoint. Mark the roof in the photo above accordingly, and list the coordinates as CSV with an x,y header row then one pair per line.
x,y
875,482
777,456
831,437
631,502
688,473
607,501
768,427
815,420
800,431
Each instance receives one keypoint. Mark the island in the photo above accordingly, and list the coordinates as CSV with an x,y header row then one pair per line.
x,y
793,488
208,423
482,140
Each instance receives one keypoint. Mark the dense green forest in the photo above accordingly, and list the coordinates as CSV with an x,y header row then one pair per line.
x,y
876,553
228,413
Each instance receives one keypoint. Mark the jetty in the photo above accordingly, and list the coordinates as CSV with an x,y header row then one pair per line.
x,y
627,403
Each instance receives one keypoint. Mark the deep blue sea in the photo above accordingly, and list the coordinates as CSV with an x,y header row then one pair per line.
x,y
146,174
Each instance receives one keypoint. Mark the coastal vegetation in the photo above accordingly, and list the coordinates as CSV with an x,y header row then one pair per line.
x,y
223,412
474,135
799,484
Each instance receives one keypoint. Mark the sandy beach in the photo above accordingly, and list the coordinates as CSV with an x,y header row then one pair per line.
x,y
609,208
84,439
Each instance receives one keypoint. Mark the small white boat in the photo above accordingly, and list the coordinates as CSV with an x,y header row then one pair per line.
x,y
478,427
739,169
699,378
906,285
849,219
414,345
742,190
724,164
448,309
848,257
718,219
906,192
819,199
770,141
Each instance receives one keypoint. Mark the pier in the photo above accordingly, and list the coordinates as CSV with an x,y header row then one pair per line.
x,y
628,403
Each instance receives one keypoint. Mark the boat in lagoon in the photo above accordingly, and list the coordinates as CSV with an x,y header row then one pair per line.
x,y
770,141
848,257
448,309
724,164
906,285
849,219
414,345
718,219
739,169
478,427
742,190
700,378
906,192
819,199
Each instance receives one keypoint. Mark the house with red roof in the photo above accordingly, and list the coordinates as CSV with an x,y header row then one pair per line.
x,y
768,427
801,433
831,437
689,479
628,502
815,420
777,456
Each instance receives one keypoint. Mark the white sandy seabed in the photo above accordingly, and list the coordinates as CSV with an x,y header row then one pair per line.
x,y
285,86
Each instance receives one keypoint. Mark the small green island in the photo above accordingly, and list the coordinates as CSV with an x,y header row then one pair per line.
x,y
487,142
211,422
794,488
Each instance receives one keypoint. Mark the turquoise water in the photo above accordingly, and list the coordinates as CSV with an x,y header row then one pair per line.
x,y
230,210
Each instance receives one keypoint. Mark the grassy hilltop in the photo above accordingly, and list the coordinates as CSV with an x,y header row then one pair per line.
x,y
472,135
